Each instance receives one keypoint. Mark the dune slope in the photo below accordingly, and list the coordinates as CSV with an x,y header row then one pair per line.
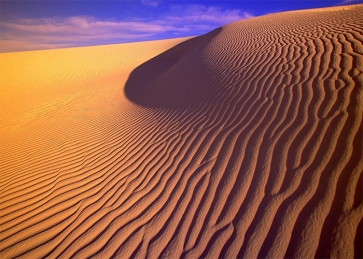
x,y
245,142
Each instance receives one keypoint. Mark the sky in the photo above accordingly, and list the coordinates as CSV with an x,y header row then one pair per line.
x,y
47,24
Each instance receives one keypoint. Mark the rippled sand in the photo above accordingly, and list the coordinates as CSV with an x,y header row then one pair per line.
x,y
245,142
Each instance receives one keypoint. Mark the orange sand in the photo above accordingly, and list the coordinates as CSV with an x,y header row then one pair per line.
x,y
245,142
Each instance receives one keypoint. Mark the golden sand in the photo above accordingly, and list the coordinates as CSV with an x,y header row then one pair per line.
x,y
245,142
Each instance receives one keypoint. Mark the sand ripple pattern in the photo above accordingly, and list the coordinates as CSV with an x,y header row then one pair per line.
x,y
242,143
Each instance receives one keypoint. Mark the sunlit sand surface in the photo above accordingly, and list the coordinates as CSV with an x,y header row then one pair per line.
x,y
245,142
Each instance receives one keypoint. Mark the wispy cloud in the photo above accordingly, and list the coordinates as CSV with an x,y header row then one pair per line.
x,y
206,14
27,34
152,3
30,34
346,2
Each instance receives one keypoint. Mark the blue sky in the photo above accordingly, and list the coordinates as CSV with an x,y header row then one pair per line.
x,y
44,24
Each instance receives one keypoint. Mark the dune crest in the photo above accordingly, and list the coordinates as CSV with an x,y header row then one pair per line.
x,y
245,142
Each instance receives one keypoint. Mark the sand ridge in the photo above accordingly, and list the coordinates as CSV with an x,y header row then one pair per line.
x,y
245,142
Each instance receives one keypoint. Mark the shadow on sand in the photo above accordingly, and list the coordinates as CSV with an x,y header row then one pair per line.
x,y
173,78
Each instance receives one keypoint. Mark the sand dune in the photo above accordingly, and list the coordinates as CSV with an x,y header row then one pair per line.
x,y
245,142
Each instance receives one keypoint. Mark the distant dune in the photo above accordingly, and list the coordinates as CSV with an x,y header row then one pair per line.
x,y
245,142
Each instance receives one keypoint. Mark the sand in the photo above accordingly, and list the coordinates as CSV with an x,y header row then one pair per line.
x,y
245,142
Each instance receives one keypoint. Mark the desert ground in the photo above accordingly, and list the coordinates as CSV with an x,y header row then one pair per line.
x,y
245,142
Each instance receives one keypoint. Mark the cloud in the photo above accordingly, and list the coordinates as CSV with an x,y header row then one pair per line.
x,y
152,3
346,2
206,14
29,34
44,33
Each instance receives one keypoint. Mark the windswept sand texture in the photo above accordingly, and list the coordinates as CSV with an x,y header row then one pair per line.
x,y
245,142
